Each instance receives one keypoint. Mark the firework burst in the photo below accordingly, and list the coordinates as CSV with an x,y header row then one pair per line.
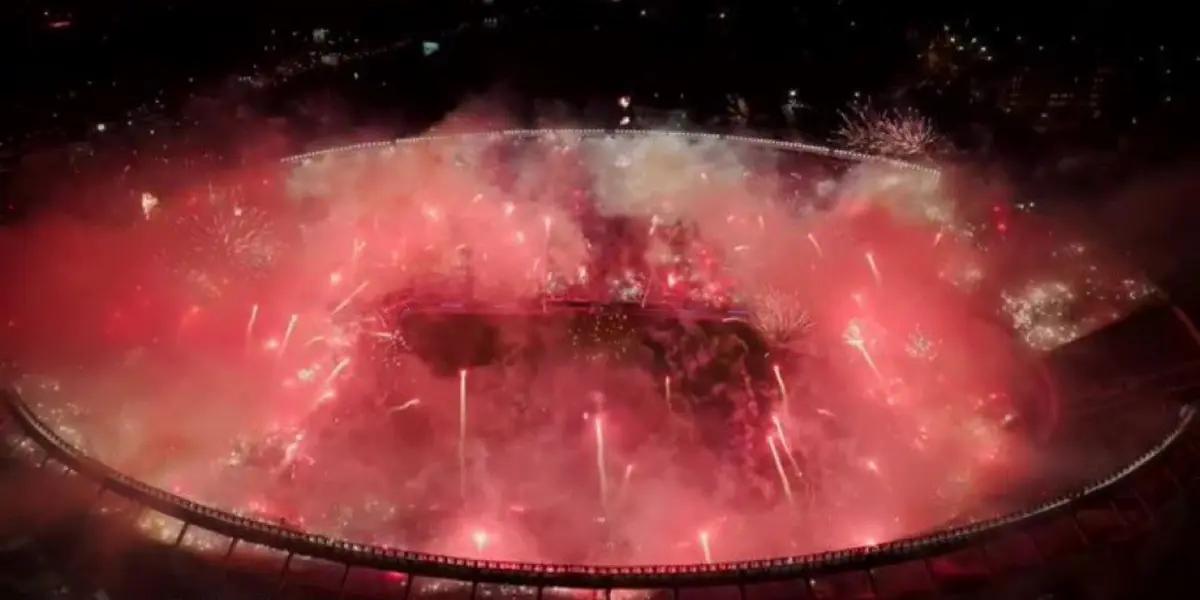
x,y
900,133
244,238
780,316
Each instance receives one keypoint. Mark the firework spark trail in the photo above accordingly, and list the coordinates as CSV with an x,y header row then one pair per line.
x,y
149,203
623,490
547,222
405,406
855,340
871,465
787,448
600,471
337,370
292,450
787,486
874,268
667,393
704,545
480,539
783,393
362,286
287,334
816,246
462,432
250,324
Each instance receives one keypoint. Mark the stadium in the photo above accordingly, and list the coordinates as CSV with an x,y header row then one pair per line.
x,y
1100,428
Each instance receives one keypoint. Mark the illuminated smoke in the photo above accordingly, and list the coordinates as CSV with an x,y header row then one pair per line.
x,y
697,232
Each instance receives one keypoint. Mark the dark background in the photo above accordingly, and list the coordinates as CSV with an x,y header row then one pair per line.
x,y
1030,78
1085,105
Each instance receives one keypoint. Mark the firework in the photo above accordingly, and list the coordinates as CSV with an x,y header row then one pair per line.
x,y
812,239
787,448
667,393
287,334
871,465
854,338
407,405
149,203
783,479
780,316
480,539
624,483
902,133
346,302
1046,313
601,476
870,256
704,546
237,236
783,395
337,370
250,324
462,432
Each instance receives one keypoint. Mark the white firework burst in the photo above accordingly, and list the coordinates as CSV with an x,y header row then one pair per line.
x,y
779,316
902,133
239,237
